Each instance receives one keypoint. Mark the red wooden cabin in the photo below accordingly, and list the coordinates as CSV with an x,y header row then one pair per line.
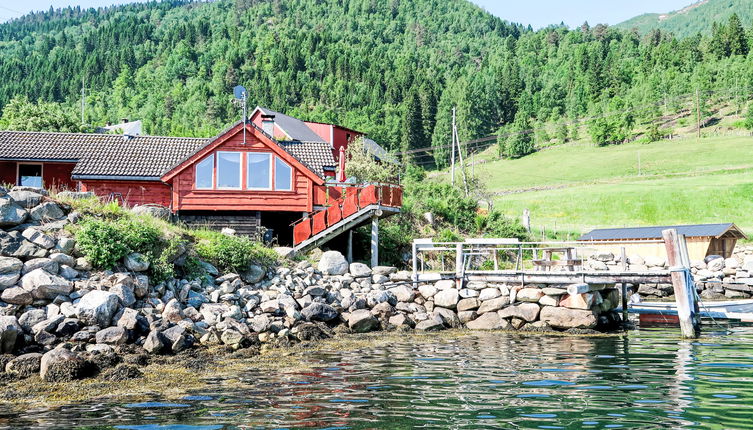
x,y
235,179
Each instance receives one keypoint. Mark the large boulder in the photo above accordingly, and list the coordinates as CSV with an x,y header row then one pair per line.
x,y
10,330
403,293
565,318
253,274
11,214
10,271
362,321
14,245
37,237
24,365
531,295
487,321
152,210
525,311
493,305
319,312
44,285
447,298
112,336
154,343
97,307
62,365
47,211
136,262
16,296
359,270
333,263
26,198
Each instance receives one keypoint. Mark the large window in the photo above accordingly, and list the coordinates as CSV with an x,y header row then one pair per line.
x,y
283,176
30,175
228,170
259,171
205,173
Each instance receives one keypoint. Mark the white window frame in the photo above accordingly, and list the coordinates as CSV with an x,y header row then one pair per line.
x,y
196,173
240,171
18,171
291,175
271,177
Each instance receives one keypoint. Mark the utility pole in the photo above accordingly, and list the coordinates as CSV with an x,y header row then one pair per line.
x,y
83,99
698,112
460,155
453,147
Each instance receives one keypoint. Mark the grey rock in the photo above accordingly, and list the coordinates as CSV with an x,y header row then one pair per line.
x,y
9,279
468,304
362,321
493,305
125,294
128,319
231,337
567,318
68,273
253,274
489,293
173,311
154,342
38,238
430,325
152,210
61,258
261,323
47,264
97,307
62,365
427,291
525,311
26,199
16,296
24,365
10,265
447,298
136,262
176,338
487,321
44,338
66,245
47,211
14,245
333,263
44,285
112,336
30,318
403,293
11,214
448,317
359,270
211,270
48,325
10,330
319,312
384,270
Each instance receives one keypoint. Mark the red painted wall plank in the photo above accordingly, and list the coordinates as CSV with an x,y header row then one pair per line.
x,y
131,193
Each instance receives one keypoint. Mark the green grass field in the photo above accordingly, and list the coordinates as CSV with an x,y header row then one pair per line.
x,y
682,182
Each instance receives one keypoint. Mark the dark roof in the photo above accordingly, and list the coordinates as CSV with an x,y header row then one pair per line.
x,y
293,127
377,151
317,156
100,154
638,233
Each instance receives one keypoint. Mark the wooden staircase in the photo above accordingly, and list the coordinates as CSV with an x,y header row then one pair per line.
x,y
351,207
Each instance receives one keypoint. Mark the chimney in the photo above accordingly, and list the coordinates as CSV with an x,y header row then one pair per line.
x,y
268,124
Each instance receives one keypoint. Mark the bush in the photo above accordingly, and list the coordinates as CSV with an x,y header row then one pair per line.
x,y
106,242
232,253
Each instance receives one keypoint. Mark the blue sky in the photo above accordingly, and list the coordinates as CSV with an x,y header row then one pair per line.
x,y
538,13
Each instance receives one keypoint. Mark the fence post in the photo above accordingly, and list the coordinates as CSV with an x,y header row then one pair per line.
x,y
374,241
684,287
415,264
623,258
459,265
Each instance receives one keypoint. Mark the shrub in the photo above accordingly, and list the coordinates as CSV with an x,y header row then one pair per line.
x,y
232,253
106,242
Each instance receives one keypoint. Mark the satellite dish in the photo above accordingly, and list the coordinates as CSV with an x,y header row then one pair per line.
x,y
239,92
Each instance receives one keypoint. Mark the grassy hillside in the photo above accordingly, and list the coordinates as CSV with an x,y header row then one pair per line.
x,y
575,187
696,18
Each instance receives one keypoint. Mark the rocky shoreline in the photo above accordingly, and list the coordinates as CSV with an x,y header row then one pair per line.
x,y
63,321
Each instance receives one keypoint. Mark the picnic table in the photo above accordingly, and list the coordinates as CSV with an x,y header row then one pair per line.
x,y
547,262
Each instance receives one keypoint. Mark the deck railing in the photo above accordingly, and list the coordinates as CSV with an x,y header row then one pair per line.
x,y
342,201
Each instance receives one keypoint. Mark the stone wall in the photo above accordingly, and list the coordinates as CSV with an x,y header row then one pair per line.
x,y
716,278
61,319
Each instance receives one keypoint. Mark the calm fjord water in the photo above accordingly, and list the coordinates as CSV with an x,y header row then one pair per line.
x,y
648,379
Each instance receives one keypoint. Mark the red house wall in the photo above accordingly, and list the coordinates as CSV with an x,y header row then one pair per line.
x,y
187,197
322,130
131,193
54,175
7,172
341,139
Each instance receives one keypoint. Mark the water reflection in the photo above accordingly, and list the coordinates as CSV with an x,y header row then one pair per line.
x,y
479,381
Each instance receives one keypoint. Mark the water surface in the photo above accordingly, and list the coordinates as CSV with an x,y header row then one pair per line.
x,y
647,379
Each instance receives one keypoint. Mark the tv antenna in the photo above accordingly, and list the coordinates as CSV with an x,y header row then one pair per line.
x,y
241,95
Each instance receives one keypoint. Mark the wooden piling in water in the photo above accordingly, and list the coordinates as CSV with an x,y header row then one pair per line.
x,y
684,289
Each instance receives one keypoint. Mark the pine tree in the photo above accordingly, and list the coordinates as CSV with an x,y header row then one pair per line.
x,y
748,123
413,128
736,38
519,141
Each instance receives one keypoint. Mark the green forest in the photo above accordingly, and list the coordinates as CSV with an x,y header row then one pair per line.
x,y
698,17
393,69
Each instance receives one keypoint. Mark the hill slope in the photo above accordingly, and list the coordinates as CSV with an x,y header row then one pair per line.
x,y
693,19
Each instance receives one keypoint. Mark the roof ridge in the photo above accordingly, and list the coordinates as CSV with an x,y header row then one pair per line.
x,y
103,134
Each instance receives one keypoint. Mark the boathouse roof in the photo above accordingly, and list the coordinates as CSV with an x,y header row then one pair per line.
x,y
729,230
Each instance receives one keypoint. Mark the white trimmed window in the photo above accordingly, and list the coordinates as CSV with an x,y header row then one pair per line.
x,y
283,175
228,170
205,173
259,171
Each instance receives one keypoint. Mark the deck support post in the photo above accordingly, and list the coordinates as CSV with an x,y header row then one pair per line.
x,y
349,250
684,287
374,241
459,266
623,259
415,265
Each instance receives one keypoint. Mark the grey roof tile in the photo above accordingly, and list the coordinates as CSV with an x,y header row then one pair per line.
x,y
294,127
637,233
